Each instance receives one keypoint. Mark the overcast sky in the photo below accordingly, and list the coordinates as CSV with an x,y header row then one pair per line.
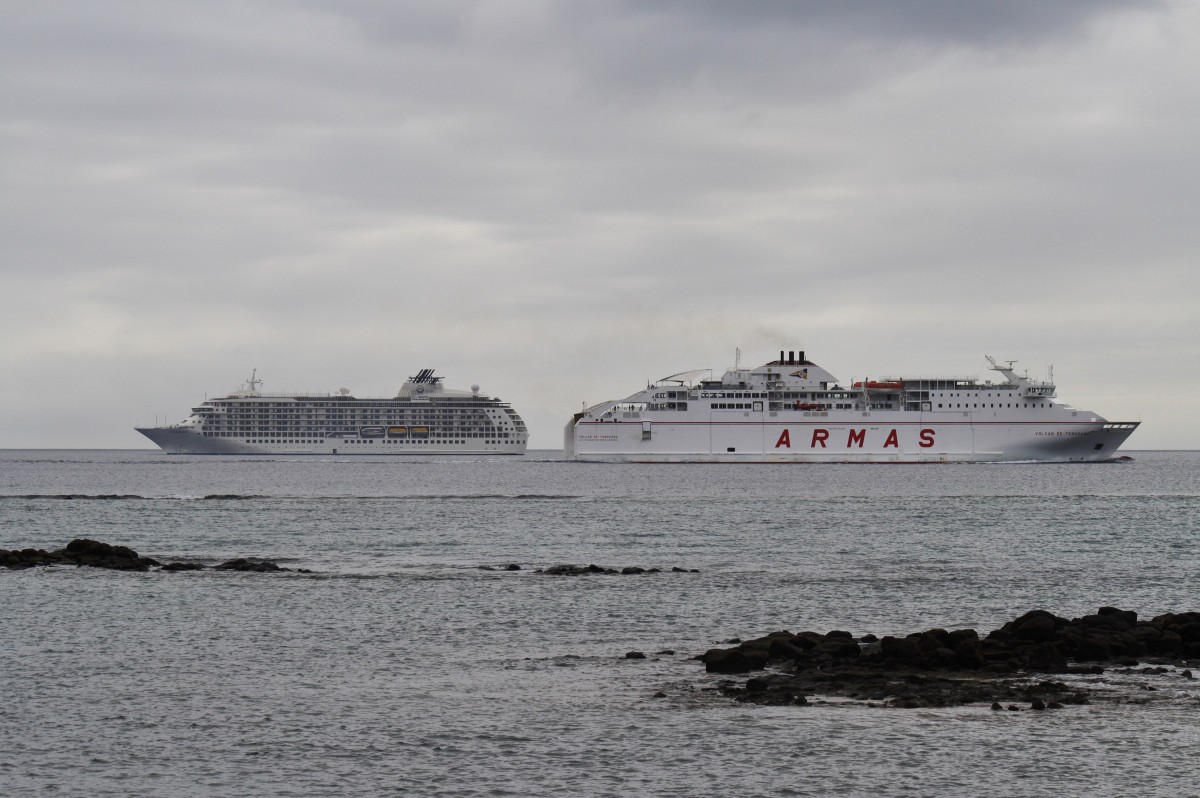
x,y
562,200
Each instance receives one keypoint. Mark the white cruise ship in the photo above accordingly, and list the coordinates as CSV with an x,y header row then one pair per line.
x,y
425,417
792,410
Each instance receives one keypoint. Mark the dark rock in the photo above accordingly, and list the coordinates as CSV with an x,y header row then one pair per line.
x,y
183,566
83,551
19,559
1128,615
786,650
251,565
839,648
961,636
968,654
726,660
1189,632
577,570
808,640
1145,637
1046,657
1114,622
634,655
512,566
766,641
1168,644
632,569
1091,648
1037,626
901,649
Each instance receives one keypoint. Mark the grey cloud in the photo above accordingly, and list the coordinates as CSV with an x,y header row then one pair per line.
x,y
979,22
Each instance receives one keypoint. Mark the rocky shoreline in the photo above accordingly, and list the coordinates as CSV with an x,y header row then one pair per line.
x,y
1009,667
96,554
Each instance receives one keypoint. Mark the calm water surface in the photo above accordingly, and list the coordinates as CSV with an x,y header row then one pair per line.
x,y
400,666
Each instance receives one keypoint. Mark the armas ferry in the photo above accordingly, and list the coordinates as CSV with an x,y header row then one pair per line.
x,y
792,410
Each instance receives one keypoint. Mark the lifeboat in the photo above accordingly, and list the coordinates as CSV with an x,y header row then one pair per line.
x,y
881,385
808,405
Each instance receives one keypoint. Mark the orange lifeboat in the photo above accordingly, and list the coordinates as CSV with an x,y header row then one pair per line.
x,y
808,406
885,385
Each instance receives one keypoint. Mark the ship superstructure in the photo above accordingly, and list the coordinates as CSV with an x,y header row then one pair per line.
x,y
424,417
792,410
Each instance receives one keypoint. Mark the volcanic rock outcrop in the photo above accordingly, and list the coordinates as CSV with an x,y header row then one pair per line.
x,y
938,667
96,554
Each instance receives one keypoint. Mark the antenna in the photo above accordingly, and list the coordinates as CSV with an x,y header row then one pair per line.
x,y
737,359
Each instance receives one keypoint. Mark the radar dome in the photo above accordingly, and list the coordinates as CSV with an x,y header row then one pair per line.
x,y
474,389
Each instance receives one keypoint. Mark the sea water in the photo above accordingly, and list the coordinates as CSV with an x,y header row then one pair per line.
x,y
411,662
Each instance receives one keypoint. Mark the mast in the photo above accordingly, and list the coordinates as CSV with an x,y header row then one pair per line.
x,y
254,382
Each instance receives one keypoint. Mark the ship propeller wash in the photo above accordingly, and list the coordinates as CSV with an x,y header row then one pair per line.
x,y
792,410
425,417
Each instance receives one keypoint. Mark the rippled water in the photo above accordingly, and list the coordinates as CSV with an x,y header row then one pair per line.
x,y
401,667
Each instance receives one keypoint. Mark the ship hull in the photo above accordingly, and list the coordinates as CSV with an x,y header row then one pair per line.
x,y
177,441
880,438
